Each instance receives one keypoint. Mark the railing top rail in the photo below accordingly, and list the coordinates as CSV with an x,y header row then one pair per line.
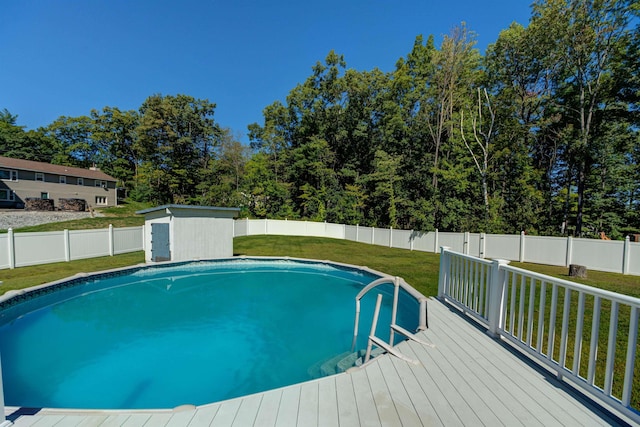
x,y
468,257
393,280
614,296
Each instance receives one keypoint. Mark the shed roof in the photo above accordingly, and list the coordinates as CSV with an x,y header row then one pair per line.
x,y
192,207
30,165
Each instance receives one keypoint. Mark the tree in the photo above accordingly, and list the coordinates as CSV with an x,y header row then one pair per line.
x,y
115,133
176,137
583,36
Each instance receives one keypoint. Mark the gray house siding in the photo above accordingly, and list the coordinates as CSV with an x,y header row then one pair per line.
x,y
17,185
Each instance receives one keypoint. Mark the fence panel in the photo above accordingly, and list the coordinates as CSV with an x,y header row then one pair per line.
x,y
334,231
240,227
4,252
424,241
545,250
351,233
129,239
39,248
401,239
381,236
502,246
315,229
256,226
88,243
454,241
634,258
365,234
603,255
285,228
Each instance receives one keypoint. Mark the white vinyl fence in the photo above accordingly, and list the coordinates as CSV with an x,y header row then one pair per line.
x,y
587,335
23,249
603,255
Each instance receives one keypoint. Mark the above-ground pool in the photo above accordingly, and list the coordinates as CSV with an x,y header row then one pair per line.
x,y
190,333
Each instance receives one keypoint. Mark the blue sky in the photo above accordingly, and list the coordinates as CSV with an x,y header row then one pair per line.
x,y
64,57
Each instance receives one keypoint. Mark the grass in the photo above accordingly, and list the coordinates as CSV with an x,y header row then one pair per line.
x,y
24,277
419,269
119,216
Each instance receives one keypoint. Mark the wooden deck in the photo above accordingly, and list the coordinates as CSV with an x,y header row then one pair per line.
x,y
467,379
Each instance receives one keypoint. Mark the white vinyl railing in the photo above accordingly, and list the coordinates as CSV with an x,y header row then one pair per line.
x,y
587,335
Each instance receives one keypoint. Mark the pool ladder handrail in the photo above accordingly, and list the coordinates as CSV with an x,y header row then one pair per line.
x,y
398,283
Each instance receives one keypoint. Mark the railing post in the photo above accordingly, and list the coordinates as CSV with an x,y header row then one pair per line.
x,y
111,242
443,276
67,245
11,243
625,256
521,257
496,296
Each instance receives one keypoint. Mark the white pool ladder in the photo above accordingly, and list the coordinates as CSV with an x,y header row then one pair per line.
x,y
394,328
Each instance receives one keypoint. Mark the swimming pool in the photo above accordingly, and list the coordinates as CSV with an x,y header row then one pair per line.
x,y
188,333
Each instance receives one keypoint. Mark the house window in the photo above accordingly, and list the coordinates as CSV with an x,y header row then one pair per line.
x,y
80,181
8,175
7,195
102,184
44,195
101,200
39,176
62,179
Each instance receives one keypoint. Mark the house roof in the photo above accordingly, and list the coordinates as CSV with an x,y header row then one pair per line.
x,y
29,165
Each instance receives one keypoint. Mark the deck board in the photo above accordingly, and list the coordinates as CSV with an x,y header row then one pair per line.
x,y
268,411
468,378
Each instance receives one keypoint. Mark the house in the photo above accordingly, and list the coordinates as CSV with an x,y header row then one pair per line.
x,y
22,179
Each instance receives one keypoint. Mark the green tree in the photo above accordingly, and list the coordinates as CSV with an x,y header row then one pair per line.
x,y
176,137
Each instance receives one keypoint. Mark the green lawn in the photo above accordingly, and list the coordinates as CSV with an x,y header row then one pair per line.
x,y
419,269
118,216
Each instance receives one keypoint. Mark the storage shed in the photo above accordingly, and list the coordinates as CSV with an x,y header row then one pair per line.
x,y
182,232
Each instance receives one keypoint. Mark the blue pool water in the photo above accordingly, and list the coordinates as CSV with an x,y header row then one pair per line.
x,y
193,333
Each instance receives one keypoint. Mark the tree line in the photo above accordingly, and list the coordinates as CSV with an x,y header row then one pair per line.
x,y
541,133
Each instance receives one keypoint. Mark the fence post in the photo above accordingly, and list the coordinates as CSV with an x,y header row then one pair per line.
x,y
435,242
482,248
111,240
357,232
373,230
569,251
266,221
11,243
443,276
496,296
521,257
344,231
411,239
390,237
625,256
465,243
67,245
